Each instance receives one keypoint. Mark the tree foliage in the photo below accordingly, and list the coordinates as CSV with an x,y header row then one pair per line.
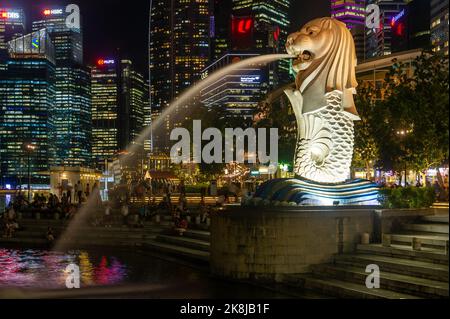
x,y
409,126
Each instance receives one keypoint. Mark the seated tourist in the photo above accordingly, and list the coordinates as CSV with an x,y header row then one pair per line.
x,y
50,236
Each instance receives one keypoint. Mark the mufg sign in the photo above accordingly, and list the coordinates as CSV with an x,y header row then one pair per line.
x,y
373,16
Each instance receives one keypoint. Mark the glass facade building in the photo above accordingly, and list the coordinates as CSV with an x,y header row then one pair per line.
x,y
105,111
439,25
240,91
73,118
353,14
378,41
12,26
179,49
27,96
267,32
118,101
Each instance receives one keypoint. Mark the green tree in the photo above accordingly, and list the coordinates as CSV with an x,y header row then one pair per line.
x,y
366,150
415,111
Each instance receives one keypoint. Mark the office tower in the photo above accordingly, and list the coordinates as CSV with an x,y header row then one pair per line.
x,y
411,27
179,49
118,100
68,40
105,110
353,14
220,29
378,41
133,101
262,27
73,118
148,142
12,26
240,91
439,25
27,95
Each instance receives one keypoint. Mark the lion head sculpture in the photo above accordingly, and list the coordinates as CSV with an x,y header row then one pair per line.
x,y
326,57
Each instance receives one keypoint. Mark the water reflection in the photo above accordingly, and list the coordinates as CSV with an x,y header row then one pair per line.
x,y
46,269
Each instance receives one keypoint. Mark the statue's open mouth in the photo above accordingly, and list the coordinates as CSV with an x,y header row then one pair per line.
x,y
303,60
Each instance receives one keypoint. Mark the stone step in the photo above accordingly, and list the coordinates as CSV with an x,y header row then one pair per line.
x,y
436,219
184,242
343,289
198,234
440,205
390,281
427,255
415,268
429,227
427,239
192,254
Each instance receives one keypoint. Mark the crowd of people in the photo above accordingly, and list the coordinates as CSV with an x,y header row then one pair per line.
x,y
116,211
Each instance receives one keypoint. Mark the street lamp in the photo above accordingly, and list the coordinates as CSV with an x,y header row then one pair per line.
x,y
29,148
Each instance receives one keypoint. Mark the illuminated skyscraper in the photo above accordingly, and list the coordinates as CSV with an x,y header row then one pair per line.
x,y
353,14
379,41
240,91
68,42
118,100
262,27
27,95
12,25
179,49
105,110
133,95
73,118
439,25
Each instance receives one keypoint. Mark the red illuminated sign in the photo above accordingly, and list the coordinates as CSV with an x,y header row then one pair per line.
x,y
276,34
241,26
242,32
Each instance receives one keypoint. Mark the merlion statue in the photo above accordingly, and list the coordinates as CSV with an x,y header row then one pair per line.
x,y
325,111
323,99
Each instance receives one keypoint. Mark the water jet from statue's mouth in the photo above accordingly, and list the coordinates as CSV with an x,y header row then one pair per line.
x,y
302,60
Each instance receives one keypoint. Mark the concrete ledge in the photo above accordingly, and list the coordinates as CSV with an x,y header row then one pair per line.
x,y
267,244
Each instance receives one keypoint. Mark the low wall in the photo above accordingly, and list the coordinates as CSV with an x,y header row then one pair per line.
x,y
265,244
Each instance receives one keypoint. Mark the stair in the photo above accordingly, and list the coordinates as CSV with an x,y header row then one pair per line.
x,y
342,289
193,245
408,284
405,273
33,234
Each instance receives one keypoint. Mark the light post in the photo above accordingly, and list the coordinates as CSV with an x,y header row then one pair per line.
x,y
29,149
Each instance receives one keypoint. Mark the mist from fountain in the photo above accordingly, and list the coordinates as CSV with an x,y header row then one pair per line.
x,y
80,217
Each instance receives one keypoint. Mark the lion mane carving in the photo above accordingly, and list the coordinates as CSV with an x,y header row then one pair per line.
x,y
323,99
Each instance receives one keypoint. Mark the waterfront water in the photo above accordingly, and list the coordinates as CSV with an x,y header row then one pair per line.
x,y
30,269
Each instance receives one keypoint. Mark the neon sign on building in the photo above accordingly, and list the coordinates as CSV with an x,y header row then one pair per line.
x,y
48,12
102,62
9,15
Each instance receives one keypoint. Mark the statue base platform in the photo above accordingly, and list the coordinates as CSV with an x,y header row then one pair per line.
x,y
301,192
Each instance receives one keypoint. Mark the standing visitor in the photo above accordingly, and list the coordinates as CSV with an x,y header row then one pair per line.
x,y
88,191
125,212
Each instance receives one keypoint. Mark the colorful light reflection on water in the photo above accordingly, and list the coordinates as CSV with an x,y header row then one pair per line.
x,y
28,268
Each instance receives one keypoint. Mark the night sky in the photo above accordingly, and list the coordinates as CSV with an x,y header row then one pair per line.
x,y
113,25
